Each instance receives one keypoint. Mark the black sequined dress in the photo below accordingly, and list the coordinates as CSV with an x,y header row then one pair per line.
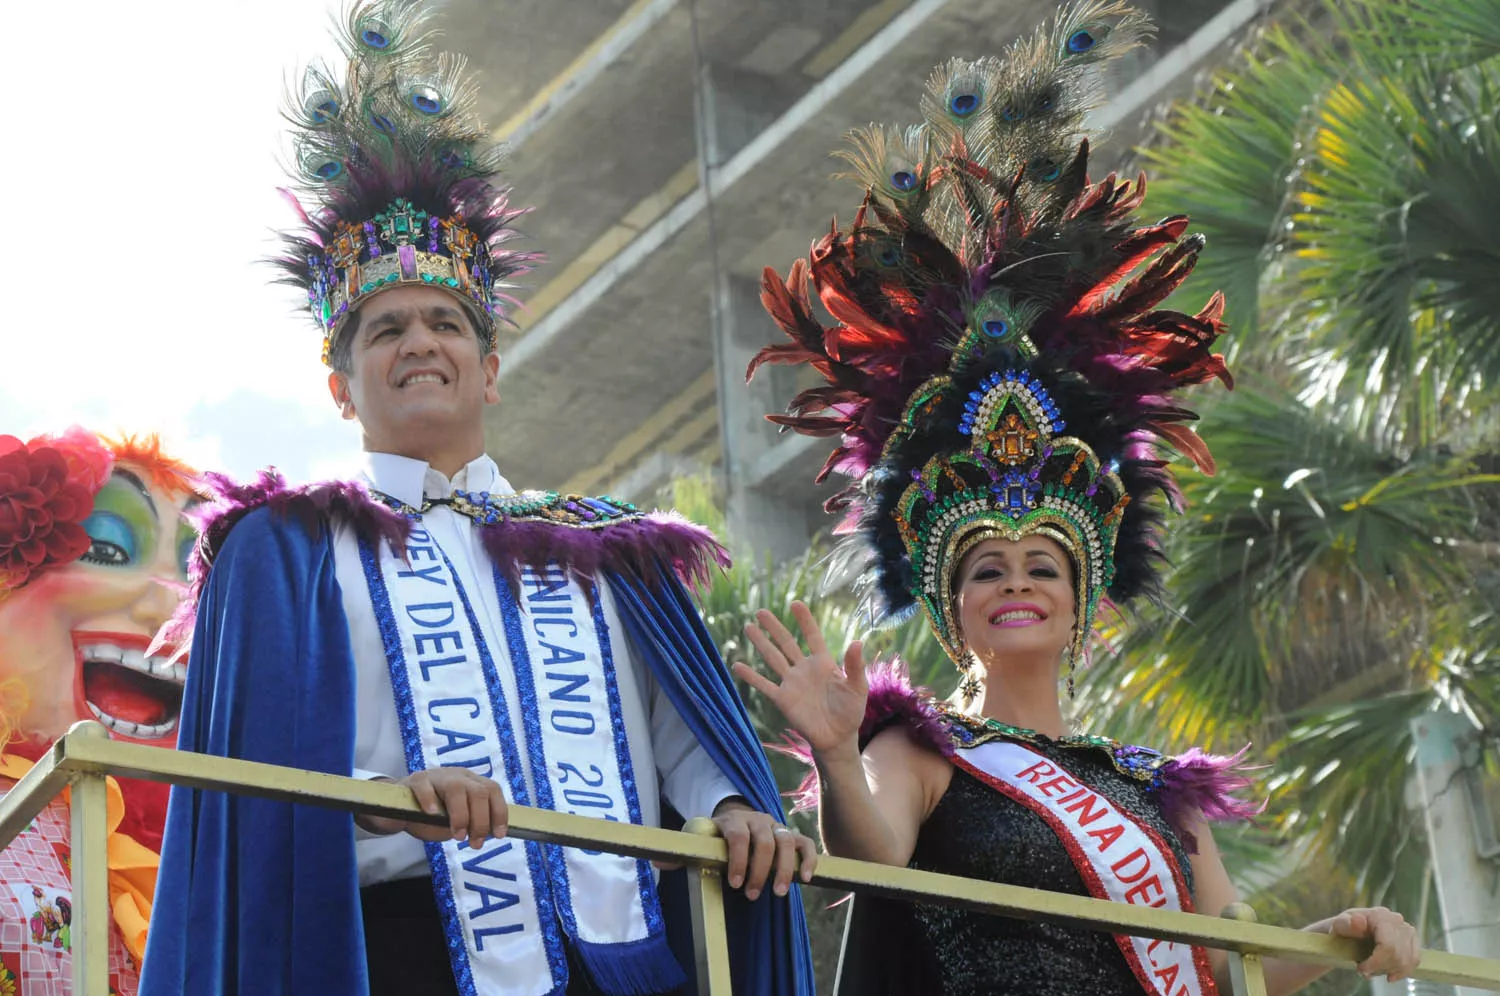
x,y
894,948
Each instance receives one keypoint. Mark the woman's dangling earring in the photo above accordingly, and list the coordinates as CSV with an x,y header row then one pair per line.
x,y
968,685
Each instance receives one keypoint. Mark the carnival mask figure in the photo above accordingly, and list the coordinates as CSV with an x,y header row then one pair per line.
x,y
93,542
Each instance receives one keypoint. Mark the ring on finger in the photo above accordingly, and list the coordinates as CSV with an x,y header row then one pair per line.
x,y
779,830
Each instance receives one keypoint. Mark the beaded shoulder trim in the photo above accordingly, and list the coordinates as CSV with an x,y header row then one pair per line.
x,y
551,507
1141,763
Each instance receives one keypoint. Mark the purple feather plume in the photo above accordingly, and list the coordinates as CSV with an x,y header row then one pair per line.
x,y
892,699
1195,783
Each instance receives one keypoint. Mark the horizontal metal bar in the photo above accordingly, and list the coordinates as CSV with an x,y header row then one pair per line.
x,y
76,753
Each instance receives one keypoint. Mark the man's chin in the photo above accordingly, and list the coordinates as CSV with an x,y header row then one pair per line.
x,y
422,423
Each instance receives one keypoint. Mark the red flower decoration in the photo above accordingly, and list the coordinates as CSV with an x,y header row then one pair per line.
x,y
47,489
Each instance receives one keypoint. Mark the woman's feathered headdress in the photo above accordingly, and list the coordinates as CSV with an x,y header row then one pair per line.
x,y
997,363
402,173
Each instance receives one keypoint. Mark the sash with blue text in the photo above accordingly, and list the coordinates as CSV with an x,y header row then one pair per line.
x,y
1118,856
508,906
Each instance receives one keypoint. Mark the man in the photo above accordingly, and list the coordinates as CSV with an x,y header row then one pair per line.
x,y
434,627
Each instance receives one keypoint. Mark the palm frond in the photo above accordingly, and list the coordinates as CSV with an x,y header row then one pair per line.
x,y
1468,30
1395,215
1224,161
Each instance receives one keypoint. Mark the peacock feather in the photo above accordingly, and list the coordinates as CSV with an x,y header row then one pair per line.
x,y
982,249
390,150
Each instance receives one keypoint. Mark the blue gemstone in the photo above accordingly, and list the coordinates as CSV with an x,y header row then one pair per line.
x,y
375,39
1080,41
903,180
977,396
964,104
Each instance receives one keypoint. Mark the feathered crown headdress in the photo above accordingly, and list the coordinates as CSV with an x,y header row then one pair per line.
x,y
402,172
997,365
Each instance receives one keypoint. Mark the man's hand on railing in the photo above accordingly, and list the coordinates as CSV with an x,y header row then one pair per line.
x,y
475,806
758,844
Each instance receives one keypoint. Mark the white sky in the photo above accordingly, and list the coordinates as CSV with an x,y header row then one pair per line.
x,y
138,168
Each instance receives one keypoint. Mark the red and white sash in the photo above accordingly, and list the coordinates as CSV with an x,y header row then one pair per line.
x,y
1119,857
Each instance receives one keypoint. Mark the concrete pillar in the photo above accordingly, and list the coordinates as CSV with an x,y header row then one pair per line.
x,y
733,107
1458,829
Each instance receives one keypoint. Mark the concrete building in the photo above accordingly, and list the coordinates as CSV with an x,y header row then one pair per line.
x,y
674,148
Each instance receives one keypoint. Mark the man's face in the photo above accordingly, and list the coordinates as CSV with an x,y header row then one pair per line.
x,y
418,371
72,642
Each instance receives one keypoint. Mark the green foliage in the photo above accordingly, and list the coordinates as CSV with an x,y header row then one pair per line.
x,y
1335,580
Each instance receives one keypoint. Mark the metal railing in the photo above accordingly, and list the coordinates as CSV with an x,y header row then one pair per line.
x,y
83,758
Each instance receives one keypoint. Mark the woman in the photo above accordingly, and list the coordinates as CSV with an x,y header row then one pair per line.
x,y
93,544
1003,386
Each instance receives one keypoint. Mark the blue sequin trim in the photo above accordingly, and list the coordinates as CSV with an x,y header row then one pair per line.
x,y
536,855
650,901
411,741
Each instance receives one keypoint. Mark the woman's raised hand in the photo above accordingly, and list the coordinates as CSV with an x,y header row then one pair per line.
x,y
820,700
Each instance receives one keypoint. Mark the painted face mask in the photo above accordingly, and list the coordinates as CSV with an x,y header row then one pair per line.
x,y
93,547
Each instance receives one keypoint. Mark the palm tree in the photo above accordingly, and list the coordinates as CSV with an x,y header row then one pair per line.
x,y
1336,578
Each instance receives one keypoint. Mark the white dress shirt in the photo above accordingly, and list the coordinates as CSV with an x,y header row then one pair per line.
x,y
659,739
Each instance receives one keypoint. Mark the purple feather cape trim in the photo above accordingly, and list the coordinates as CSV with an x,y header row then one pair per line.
x,y
1197,783
893,699
635,546
1188,785
229,502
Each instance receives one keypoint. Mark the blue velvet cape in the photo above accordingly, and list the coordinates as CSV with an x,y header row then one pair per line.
x,y
259,897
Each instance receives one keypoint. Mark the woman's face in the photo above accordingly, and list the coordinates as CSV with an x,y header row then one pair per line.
x,y
75,637
1015,600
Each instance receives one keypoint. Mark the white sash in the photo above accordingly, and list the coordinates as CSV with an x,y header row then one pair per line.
x,y
508,906
1119,857
575,733
496,902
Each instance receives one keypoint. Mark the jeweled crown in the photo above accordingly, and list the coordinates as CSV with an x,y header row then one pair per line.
x,y
403,174
1019,476
400,245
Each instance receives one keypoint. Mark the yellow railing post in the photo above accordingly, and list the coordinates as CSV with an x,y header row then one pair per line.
x,y
710,934
90,861
1247,973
